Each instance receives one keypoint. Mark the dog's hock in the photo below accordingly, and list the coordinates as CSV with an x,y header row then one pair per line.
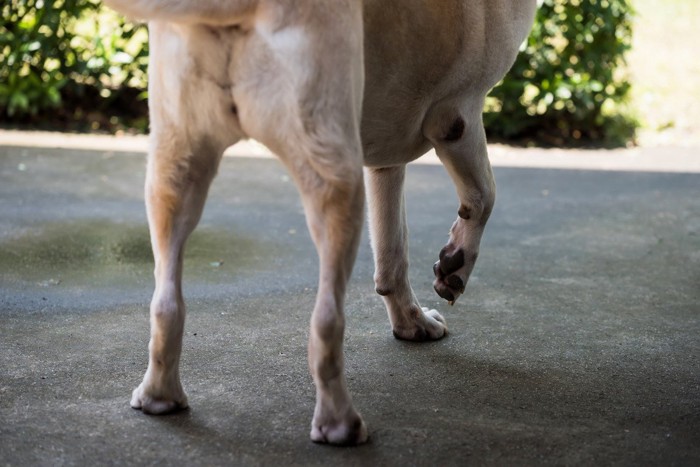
x,y
464,212
444,124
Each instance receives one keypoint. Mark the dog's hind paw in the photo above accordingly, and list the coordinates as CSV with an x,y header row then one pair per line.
x,y
157,405
452,272
428,325
348,432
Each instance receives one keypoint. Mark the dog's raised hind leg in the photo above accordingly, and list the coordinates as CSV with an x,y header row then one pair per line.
x,y
176,188
460,143
389,235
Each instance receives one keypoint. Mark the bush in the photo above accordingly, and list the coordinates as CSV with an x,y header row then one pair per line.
x,y
86,64
69,58
569,84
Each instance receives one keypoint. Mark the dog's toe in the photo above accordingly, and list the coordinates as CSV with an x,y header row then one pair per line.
x,y
350,432
157,406
444,291
429,325
450,274
451,261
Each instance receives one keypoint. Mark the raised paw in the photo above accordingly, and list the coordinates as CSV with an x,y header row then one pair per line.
x,y
427,325
342,431
157,405
452,272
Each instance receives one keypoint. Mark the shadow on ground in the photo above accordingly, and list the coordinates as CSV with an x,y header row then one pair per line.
x,y
576,343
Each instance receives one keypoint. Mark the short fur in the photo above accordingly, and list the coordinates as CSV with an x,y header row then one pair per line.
x,y
328,86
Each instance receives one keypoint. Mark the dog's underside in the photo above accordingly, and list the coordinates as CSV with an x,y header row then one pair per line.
x,y
328,86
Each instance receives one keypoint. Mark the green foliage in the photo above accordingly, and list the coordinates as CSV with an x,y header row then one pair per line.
x,y
67,55
568,85
82,63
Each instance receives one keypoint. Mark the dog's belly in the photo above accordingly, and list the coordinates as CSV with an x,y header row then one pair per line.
x,y
422,52
393,139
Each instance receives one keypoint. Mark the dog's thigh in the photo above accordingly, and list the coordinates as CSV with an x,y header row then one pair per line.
x,y
190,86
296,69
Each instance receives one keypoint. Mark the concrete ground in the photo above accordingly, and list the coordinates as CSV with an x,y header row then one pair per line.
x,y
577,341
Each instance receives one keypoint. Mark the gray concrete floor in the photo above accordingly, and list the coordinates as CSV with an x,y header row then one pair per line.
x,y
577,341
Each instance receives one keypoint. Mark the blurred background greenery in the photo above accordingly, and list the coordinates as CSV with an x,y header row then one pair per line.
x,y
569,84
72,65
583,77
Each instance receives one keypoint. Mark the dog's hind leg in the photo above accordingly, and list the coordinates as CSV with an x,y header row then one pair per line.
x,y
327,169
334,205
177,182
457,132
305,105
191,124
389,235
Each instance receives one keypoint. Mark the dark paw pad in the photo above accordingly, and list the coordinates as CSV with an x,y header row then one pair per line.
x,y
455,282
443,291
448,284
449,263
420,335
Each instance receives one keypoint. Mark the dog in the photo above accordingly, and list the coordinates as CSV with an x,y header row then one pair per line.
x,y
328,86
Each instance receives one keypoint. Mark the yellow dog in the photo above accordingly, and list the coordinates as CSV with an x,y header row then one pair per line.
x,y
329,86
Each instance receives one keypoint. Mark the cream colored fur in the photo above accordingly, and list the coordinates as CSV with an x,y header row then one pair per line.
x,y
329,86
